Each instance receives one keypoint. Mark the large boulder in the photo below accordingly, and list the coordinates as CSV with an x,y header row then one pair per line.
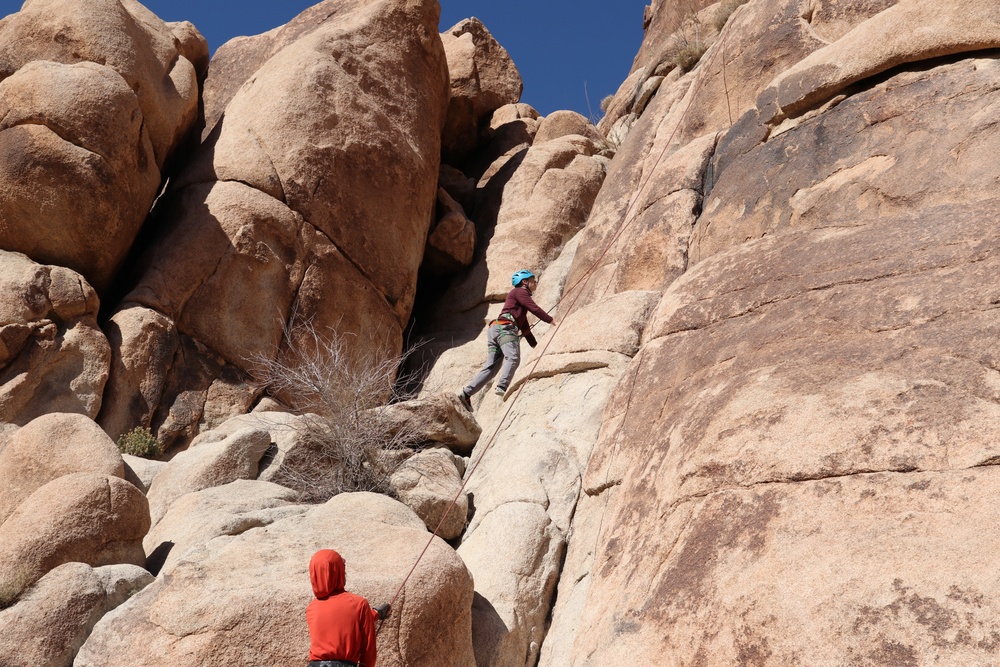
x,y
483,79
213,605
53,618
429,483
230,509
49,447
452,239
95,98
205,465
268,227
82,517
234,62
436,418
53,356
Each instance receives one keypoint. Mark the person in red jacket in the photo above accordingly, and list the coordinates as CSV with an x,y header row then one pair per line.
x,y
502,340
341,624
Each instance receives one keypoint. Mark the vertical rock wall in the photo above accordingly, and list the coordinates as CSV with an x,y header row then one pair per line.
x,y
816,384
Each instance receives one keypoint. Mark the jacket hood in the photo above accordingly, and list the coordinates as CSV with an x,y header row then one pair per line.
x,y
327,573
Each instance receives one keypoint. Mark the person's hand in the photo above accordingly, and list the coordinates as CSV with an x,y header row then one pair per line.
x,y
383,610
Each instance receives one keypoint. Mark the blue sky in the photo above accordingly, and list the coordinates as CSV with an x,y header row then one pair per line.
x,y
566,50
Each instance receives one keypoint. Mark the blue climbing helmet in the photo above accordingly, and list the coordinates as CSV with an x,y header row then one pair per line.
x,y
519,276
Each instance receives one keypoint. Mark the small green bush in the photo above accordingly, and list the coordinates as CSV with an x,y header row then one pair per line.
x,y
140,441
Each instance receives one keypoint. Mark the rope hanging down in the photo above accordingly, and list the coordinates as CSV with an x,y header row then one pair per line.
x,y
624,223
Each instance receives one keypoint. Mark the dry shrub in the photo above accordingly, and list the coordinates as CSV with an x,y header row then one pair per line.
x,y
724,11
345,443
688,55
606,103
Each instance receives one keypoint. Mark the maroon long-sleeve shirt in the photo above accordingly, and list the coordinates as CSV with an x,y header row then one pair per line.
x,y
518,304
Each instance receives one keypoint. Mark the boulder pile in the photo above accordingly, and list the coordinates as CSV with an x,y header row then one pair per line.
x,y
759,431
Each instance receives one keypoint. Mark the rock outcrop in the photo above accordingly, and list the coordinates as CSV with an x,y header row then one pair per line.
x,y
51,620
197,517
205,465
214,604
760,430
309,201
483,79
429,483
53,356
49,447
82,517
95,98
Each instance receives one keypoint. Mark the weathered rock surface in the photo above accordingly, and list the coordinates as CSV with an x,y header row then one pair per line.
x,y
452,240
141,471
236,61
525,491
639,232
483,79
533,212
212,607
96,97
49,447
53,618
885,41
429,483
564,123
82,517
231,509
287,432
265,216
895,375
874,158
205,465
436,418
53,356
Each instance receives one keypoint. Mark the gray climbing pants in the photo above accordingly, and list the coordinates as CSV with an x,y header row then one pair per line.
x,y
503,345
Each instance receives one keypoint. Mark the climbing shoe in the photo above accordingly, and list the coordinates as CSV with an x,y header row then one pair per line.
x,y
463,398
500,391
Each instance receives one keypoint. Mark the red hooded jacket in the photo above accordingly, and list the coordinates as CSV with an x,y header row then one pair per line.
x,y
341,624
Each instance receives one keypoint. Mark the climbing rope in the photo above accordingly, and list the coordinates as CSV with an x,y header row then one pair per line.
x,y
624,223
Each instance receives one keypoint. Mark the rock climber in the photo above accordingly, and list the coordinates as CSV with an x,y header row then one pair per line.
x,y
502,340
341,624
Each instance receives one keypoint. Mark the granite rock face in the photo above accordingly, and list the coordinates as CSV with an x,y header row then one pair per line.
x,y
760,430
95,97
268,227
816,383
53,355
53,618
483,79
